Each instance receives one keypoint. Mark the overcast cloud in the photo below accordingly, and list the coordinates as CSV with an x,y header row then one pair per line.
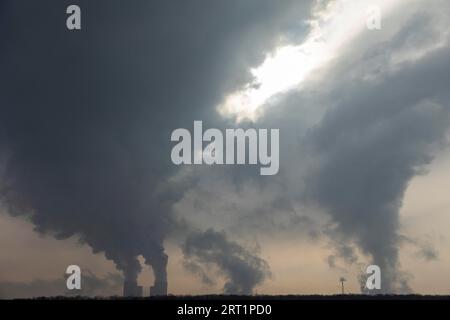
x,y
86,117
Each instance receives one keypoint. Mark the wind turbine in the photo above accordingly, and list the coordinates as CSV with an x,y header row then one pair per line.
x,y
342,280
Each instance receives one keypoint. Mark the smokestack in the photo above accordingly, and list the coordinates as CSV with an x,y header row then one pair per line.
x,y
342,280
158,263
159,289
131,289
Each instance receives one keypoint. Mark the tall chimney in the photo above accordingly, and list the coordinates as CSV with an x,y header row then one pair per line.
x,y
159,289
131,289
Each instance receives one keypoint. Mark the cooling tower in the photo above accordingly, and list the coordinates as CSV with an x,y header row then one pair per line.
x,y
131,289
159,289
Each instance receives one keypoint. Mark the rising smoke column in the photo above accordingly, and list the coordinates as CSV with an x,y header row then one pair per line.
x,y
242,269
387,110
77,150
367,152
86,116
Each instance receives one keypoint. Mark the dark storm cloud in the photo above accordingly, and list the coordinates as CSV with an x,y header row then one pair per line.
x,y
86,116
242,270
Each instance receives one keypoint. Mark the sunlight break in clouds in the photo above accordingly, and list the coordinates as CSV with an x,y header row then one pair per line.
x,y
332,27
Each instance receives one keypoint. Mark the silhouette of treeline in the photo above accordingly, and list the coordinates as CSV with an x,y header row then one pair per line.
x,y
258,297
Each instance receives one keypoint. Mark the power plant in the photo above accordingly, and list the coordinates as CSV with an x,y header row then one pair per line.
x,y
132,289
159,289
132,268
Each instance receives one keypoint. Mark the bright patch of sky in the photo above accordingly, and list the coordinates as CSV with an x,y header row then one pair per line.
x,y
332,28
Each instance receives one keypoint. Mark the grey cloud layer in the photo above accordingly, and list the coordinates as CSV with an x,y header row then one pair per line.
x,y
85,121
355,135
85,117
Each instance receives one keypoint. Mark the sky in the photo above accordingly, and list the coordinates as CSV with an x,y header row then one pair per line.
x,y
86,117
